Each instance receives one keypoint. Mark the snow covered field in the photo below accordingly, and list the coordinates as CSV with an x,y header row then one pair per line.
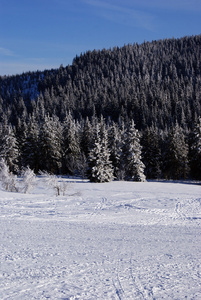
x,y
118,240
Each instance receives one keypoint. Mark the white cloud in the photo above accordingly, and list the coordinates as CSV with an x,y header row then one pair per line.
x,y
6,52
123,13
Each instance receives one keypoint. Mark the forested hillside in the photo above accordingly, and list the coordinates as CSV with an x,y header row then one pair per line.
x,y
147,96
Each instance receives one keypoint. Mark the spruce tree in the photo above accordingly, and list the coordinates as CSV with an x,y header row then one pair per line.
x,y
9,150
21,135
176,164
70,146
116,145
101,169
31,147
86,137
151,153
195,151
134,167
50,145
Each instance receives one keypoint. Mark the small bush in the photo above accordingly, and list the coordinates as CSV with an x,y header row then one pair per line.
x,y
8,179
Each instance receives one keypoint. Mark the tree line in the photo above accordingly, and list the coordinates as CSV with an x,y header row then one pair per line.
x,y
101,150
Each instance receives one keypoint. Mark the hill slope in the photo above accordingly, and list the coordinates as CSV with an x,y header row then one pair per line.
x,y
155,83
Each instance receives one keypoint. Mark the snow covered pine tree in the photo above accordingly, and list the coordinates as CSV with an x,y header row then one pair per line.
x,y
134,167
101,169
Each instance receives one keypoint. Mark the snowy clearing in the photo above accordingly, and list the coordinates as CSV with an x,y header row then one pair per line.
x,y
117,240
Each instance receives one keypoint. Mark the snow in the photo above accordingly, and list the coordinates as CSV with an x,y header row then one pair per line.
x,y
117,240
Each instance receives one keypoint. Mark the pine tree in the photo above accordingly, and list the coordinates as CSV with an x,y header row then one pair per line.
x,y
132,155
116,146
9,150
101,169
70,146
21,134
151,153
86,137
176,164
50,145
195,151
31,147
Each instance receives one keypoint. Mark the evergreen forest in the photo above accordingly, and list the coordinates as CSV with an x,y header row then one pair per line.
x,y
126,113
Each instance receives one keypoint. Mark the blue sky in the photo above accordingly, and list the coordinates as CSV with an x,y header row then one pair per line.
x,y
43,34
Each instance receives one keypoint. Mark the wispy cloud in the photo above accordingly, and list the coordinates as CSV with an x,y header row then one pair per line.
x,y
6,52
181,5
123,13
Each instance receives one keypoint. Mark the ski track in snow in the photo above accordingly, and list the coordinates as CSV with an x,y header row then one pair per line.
x,y
119,240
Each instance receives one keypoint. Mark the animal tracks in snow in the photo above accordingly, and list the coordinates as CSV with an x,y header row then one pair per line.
x,y
189,209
